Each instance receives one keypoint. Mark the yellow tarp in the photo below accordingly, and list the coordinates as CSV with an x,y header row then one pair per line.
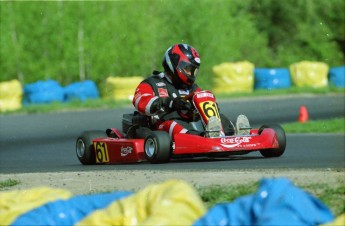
x,y
121,88
233,77
16,203
309,74
10,95
171,203
339,221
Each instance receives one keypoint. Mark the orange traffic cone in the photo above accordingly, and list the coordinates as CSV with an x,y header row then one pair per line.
x,y
303,114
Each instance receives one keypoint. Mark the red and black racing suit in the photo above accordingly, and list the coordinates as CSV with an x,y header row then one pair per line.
x,y
151,91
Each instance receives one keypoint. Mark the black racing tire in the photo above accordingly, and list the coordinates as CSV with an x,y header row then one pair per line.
x,y
275,152
84,146
157,147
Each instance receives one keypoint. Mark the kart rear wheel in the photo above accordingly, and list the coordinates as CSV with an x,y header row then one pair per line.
x,y
275,152
84,146
157,147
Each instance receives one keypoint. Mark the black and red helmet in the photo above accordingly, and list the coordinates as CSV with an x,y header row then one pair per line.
x,y
183,62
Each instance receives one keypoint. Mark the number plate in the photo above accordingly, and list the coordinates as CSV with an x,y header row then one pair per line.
x,y
101,152
209,109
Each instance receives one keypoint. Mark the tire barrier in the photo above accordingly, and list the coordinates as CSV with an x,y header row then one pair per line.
x,y
43,92
174,202
81,91
11,93
229,78
121,88
337,76
49,91
309,74
233,77
272,78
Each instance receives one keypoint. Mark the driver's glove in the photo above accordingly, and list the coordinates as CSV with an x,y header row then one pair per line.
x,y
176,104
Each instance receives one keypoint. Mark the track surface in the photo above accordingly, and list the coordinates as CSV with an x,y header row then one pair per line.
x,y
46,142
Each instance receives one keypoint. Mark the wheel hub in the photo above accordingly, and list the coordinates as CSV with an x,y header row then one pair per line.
x,y
80,148
150,147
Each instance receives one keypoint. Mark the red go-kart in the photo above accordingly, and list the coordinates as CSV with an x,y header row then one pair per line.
x,y
138,142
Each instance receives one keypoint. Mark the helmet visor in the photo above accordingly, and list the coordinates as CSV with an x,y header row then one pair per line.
x,y
188,69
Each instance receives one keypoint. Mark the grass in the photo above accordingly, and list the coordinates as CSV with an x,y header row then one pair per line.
x,y
336,125
332,196
292,90
8,183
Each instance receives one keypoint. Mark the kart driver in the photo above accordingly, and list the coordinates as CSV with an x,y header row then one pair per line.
x,y
161,95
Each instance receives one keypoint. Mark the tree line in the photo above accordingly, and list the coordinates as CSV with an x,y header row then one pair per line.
x,y
71,41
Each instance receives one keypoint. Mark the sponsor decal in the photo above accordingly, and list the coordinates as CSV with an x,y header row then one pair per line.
x,y
126,150
201,95
236,141
163,92
183,92
160,84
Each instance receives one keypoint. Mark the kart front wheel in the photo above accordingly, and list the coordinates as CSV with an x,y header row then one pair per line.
x,y
84,146
157,147
280,133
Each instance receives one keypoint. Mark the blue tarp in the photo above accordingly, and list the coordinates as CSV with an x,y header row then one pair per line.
x,y
337,76
70,211
272,78
277,202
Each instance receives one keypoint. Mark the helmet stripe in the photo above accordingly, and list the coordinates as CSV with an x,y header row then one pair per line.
x,y
185,46
168,61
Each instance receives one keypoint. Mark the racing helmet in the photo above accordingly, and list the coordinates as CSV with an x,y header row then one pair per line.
x,y
183,62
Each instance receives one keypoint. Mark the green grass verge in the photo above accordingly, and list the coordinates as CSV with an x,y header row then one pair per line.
x,y
290,91
332,196
8,183
336,125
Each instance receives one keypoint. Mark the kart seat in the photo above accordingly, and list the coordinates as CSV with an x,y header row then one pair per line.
x,y
131,122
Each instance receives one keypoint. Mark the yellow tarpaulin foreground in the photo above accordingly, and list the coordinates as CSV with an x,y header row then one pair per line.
x,y
16,203
173,202
170,203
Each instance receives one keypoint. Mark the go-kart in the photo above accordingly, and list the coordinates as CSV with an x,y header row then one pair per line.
x,y
139,142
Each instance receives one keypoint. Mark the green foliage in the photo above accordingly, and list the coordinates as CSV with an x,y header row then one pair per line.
x,y
8,183
75,40
215,194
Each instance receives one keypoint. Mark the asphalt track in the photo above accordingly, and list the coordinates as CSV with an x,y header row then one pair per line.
x,y
46,142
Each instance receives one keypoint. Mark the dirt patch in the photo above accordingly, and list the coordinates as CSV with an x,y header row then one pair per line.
x,y
103,181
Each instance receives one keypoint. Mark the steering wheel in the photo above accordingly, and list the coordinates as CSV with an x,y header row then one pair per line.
x,y
191,113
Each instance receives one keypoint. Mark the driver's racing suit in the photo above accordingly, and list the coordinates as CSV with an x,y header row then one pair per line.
x,y
148,93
